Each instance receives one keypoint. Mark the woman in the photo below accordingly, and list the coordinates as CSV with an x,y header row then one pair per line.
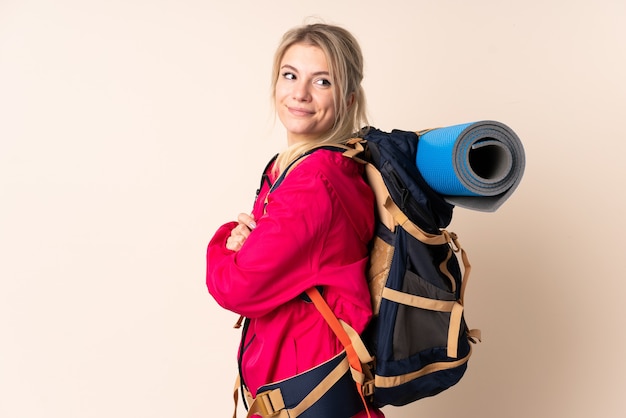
x,y
311,231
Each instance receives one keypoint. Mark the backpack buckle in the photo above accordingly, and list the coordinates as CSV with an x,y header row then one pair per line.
x,y
368,388
270,403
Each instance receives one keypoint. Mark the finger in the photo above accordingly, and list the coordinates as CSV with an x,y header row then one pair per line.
x,y
242,230
234,242
232,246
247,220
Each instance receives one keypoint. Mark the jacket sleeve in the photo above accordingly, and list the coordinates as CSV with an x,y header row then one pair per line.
x,y
279,259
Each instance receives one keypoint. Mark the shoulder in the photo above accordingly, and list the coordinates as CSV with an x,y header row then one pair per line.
x,y
331,164
327,171
341,176
328,179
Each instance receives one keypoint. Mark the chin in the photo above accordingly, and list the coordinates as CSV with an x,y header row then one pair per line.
x,y
297,131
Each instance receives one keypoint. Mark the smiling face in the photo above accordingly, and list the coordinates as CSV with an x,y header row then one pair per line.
x,y
304,93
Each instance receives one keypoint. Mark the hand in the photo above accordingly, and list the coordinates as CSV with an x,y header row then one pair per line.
x,y
240,233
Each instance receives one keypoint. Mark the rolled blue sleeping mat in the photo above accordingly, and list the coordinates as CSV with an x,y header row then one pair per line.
x,y
474,165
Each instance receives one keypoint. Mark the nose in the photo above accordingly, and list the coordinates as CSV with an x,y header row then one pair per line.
x,y
301,92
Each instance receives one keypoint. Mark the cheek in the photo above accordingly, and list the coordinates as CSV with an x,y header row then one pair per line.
x,y
329,106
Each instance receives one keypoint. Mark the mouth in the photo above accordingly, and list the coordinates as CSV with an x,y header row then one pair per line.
x,y
298,111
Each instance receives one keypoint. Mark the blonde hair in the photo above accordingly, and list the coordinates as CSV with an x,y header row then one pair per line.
x,y
345,64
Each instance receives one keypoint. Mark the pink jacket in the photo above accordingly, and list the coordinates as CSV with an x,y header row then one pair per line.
x,y
314,230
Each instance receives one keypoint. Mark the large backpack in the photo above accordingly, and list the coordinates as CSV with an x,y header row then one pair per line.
x,y
418,343
418,339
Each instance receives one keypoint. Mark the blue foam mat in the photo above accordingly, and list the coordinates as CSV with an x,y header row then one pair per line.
x,y
474,165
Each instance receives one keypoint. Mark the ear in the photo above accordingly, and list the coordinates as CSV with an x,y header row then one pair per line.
x,y
350,100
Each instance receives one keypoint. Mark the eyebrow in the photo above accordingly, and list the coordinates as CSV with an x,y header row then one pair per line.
x,y
290,67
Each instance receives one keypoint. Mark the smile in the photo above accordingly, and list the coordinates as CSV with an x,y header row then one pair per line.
x,y
297,111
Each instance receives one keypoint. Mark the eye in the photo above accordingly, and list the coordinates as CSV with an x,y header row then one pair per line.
x,y
289,76
324,82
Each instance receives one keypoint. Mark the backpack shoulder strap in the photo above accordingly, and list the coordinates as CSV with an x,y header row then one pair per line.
x,y
357,355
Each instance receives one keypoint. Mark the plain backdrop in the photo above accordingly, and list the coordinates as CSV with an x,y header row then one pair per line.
x,y
131,129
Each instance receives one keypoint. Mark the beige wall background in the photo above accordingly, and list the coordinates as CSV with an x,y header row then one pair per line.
x,y
131,129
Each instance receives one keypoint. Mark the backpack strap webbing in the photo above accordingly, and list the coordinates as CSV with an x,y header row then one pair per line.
x,y
356,366
236,394
394,381
454,308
